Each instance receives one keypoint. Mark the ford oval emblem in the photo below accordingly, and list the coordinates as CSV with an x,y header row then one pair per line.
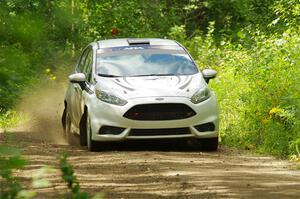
x,y
159,99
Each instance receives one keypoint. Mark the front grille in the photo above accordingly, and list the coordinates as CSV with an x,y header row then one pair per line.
x,y
153,132
153,112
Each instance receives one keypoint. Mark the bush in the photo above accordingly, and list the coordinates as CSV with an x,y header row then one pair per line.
x,y
257,87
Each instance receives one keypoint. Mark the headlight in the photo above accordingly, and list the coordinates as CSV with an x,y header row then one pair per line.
x,y
201,95
106,97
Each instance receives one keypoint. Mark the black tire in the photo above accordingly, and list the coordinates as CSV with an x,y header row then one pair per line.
x,y
208,144
68,135
63,119
91,144
83,130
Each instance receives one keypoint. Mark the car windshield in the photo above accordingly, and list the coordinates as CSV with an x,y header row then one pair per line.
x,y
144,63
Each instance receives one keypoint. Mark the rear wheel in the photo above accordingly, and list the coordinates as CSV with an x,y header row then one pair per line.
x,y
63,119
208,144
91,145
68,134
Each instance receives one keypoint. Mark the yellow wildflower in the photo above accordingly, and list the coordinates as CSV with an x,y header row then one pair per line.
x,y
275,110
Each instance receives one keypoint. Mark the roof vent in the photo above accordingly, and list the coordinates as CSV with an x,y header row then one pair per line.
x,y
138,42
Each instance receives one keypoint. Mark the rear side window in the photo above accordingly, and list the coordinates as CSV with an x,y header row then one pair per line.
x,y
85,63
87,69
80,65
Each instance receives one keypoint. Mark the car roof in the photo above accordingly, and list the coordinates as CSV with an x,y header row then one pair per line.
x,y
111,43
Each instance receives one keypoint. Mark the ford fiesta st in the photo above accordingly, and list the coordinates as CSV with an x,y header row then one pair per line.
x,y
140,89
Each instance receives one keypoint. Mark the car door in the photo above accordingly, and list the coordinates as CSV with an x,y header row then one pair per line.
x,y
76,99
87,70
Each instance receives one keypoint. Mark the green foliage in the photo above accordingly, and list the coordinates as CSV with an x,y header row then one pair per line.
x,y
13,75
8,119
32,35
10,159
133,18
287,11
268,104
11,188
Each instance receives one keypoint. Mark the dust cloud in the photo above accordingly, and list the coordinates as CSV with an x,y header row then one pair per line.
x,y
41,109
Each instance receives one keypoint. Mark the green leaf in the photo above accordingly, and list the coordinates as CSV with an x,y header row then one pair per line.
x,y
98,196
8,151
241,35
41,183
43,171
12,163
26,194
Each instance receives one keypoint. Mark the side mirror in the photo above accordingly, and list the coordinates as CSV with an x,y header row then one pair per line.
x,y
209,74
77,78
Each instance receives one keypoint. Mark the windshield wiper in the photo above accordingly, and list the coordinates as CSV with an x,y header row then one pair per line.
x,y
153,75
107,75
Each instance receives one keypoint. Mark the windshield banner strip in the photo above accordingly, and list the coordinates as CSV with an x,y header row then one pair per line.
x,y
139,47
138,52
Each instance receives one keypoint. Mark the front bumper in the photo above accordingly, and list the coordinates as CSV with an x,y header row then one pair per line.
x,y
104,114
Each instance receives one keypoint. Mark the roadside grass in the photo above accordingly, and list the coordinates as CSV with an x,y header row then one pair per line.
x,y
9,119
257,88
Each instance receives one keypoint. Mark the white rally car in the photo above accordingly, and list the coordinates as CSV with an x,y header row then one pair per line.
x,y
140,89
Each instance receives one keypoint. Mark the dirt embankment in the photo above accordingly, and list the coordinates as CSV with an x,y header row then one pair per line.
x,y
145,169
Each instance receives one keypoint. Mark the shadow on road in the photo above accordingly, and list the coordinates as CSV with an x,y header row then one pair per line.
x,y
57,138
179,145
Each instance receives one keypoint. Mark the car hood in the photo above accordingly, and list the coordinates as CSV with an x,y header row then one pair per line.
x,y
151,86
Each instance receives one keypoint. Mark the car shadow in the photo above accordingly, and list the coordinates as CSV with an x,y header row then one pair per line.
x,y
37,138
172,145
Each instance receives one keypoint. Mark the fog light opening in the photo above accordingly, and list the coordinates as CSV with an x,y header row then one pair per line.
x,y
110,130
205,127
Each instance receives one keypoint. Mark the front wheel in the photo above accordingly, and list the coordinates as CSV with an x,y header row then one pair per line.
x,y
208,144
91,145
83,130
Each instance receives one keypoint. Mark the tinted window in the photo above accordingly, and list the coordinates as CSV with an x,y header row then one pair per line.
x,y
140,63
88,64
81,65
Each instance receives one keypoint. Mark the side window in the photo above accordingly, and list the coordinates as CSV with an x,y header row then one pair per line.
x,y
87,70
80,66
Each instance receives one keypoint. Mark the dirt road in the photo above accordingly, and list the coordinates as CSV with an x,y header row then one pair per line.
x,y
145,170
161,170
